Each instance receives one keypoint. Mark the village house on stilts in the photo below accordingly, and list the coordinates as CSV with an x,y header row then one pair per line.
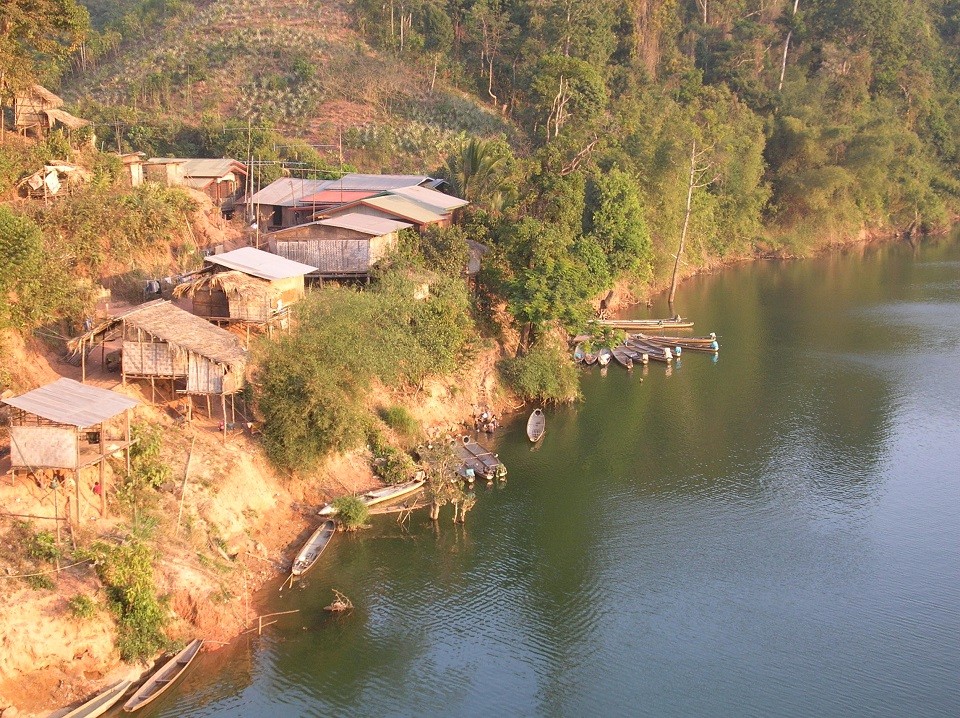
x,y
67,427
161,342
247,287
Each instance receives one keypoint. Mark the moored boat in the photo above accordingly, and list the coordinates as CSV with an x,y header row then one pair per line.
x,y
579,354
653,351
697,344
589,358
100,703
164,678
604,356
387,493
645,324
313,547
623,357
536,425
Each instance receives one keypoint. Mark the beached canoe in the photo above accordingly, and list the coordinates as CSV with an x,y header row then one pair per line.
x,y
100,703
536,425
604,356
579,354
164,678
387,493
313,547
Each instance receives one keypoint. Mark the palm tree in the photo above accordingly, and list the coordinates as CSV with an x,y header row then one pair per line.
x,y
477,172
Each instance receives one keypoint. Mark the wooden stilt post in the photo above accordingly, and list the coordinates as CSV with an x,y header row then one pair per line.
x,y
103,476
83,363
127,439
233,408
209,410
223,411
153,390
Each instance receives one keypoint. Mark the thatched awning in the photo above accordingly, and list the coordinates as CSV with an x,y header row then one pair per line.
x,y
181,330
233,282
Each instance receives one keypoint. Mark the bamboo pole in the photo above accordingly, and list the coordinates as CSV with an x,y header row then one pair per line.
x,y
103,476
183,488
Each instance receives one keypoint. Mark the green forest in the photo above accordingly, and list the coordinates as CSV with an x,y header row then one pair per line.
x,y
590,137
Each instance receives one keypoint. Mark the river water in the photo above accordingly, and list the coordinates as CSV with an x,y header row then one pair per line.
x,y
775,533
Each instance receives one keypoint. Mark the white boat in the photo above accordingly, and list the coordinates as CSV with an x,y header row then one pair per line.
x,y
100,703
387,493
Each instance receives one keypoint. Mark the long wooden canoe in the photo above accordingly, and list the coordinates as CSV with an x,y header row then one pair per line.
x,y
645,324
604,356
313,547
387,493
697,344
639,357
100,703
164,678
656,353
536,425
622,357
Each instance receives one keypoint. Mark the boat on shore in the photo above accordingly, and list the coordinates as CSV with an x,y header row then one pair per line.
x,y
161,681
387,493
536,425
100,703
579,354
313,547
639,325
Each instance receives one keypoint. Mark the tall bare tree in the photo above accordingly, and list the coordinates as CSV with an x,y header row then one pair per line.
x,y
698,172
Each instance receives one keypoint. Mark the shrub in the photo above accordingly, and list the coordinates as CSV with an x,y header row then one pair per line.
x,y
400,420
127,573
43,546
81,606
352,513
545,374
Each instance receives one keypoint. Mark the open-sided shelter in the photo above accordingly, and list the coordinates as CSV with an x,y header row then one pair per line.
x,y
246,286
37,109
343,247
66,427
162,341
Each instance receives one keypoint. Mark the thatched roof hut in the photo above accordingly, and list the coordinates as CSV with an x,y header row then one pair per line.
x,y
246,285
162,341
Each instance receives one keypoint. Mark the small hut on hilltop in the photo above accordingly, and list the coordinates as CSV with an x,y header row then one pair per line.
x,y
66,427
343,247
37,109
162,341
246,286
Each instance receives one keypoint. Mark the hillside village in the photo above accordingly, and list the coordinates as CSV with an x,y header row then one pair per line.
x,y
256,255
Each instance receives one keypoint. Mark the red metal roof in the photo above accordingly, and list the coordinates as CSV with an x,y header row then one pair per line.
x,y
338,196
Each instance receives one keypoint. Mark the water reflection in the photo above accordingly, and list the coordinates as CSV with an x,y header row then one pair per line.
x,y
771,534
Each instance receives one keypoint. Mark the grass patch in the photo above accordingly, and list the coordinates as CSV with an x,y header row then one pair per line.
x,y
400,420
82,606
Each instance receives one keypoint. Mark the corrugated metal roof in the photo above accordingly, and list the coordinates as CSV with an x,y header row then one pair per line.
x,y
339,196
379,183
374,226
261,264
201,167
198,182
212,168
66,401
405,208
288,191
434,200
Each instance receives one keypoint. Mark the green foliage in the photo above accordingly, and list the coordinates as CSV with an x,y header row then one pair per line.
x,y
42,582
545,374
81,606
311,383
43,546
35,284
147,468
618,224
400,420
352,513
38,37
127,572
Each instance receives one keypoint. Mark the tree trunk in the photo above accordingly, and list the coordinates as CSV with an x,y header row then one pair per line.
x,y
786,49
686,222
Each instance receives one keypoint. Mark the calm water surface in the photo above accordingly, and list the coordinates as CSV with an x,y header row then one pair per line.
x,y
776,533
